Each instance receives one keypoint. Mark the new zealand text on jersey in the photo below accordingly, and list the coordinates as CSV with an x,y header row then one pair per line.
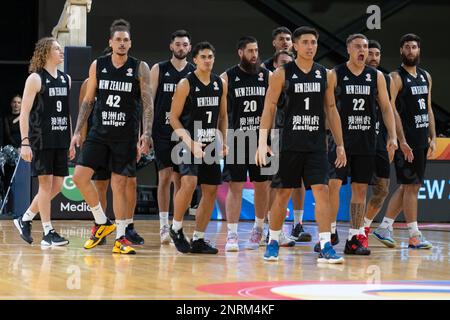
x,y
307,87
57,92
250,91
357,89
169,87
207,101
115,85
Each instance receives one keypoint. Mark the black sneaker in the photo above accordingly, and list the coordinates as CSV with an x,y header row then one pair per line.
x,y
299,234
24,228
132,235
202,246
53,238
334,242
179,240
355,247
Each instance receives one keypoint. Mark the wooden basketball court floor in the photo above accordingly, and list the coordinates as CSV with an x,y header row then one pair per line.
x,y
160,272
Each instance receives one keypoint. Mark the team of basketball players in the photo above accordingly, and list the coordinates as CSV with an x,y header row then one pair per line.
x,y
285,124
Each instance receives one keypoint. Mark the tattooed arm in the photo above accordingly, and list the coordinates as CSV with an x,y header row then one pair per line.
x,y
86,106
147,108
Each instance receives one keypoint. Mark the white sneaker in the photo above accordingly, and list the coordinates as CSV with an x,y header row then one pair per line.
x,y
285,241
232,242
164,234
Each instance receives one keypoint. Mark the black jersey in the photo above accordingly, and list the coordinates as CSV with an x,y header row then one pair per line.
x,y
356,102
202,107
268,64
116,110
167,82
304,118
246,94
49,124
380,127
412,106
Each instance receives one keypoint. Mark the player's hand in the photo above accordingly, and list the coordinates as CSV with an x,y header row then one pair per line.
x,y
431,149
341,157
407,151
144,144
197,149
261,154
76,141
391,146
224,150
26,153
72,153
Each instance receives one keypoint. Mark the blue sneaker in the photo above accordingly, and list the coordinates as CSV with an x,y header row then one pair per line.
x,y
328,255
272,251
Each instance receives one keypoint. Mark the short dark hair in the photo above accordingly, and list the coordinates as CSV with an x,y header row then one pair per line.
x,y
374,44
180,34
279,53
409,37
304,30
354,36
279,30
244,41
202,46
119,25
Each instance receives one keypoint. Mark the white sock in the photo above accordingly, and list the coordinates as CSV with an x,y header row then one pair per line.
x,y
387,223
413,228
121,226
28,215
47,226
268,216
232,227
333,227
352,232
324,237
298,217
274,235
259,223
198,235
367,222
177,225
99,215
163,219
362,231
129,221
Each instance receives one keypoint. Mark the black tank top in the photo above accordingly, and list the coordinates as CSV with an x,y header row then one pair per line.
x,y
246,94
167,82
49,124
304,118
268,64
116,110
412,106
356,101
380,127
201,110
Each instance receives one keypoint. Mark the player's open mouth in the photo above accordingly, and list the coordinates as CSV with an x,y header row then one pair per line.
x,y
360,57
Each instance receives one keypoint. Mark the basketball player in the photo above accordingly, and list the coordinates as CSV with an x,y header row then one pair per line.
x,y
380,179
303,139
247,85
357,88
102,178
199,107
120,83
164,77
45,129
281,40
412,96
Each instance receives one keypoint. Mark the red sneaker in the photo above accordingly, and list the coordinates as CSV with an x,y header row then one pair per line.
x,y
363,240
